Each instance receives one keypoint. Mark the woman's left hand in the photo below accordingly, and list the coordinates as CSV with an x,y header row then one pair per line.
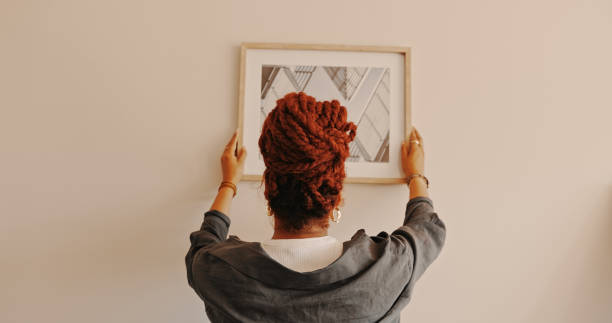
x,y
232,165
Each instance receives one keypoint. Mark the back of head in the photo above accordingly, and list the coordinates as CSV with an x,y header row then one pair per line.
x,y
304,144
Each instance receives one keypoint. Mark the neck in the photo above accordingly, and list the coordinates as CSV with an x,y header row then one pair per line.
x,y
309,231
279,234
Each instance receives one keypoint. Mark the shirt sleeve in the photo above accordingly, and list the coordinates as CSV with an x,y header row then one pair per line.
x,y
423,233
213,231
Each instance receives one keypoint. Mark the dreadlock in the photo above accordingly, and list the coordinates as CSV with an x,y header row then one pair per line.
x,y
304,144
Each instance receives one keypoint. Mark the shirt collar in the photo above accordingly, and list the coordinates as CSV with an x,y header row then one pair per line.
x,y
250,259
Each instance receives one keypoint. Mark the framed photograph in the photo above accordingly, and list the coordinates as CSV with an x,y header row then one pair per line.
x,y
372,82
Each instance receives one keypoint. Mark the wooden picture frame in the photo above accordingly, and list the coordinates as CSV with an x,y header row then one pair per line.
x,y
401,55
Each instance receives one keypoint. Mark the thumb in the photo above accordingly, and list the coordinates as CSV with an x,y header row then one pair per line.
x,y
242,155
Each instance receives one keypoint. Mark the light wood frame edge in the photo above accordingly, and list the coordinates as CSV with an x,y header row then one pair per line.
x,y
364,48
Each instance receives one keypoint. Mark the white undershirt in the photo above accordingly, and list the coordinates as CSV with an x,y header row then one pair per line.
x,y
303,255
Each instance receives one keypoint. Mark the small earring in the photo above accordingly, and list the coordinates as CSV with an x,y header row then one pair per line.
x,y
336,218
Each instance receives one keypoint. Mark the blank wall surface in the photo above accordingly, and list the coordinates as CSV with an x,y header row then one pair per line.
x,y
113,115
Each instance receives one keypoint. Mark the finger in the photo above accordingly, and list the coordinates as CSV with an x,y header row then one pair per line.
x,y
418,134
408,147
413,135
232,143
419,138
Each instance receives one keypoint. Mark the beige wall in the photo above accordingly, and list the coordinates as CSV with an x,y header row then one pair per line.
x,y
113,114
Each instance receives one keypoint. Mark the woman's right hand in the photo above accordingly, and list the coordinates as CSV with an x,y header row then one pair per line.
x,y
413,158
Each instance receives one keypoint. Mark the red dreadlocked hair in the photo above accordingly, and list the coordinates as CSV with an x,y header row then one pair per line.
x,y
304,144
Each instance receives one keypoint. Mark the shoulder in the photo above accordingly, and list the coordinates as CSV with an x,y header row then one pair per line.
x,y
231,247
377,246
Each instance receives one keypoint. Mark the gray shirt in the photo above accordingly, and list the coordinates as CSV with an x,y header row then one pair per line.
x,y
371,281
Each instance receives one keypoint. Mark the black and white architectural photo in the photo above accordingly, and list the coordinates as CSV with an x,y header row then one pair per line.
x,y
364,91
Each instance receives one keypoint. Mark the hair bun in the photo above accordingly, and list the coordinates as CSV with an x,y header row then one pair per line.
x,y
304,136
